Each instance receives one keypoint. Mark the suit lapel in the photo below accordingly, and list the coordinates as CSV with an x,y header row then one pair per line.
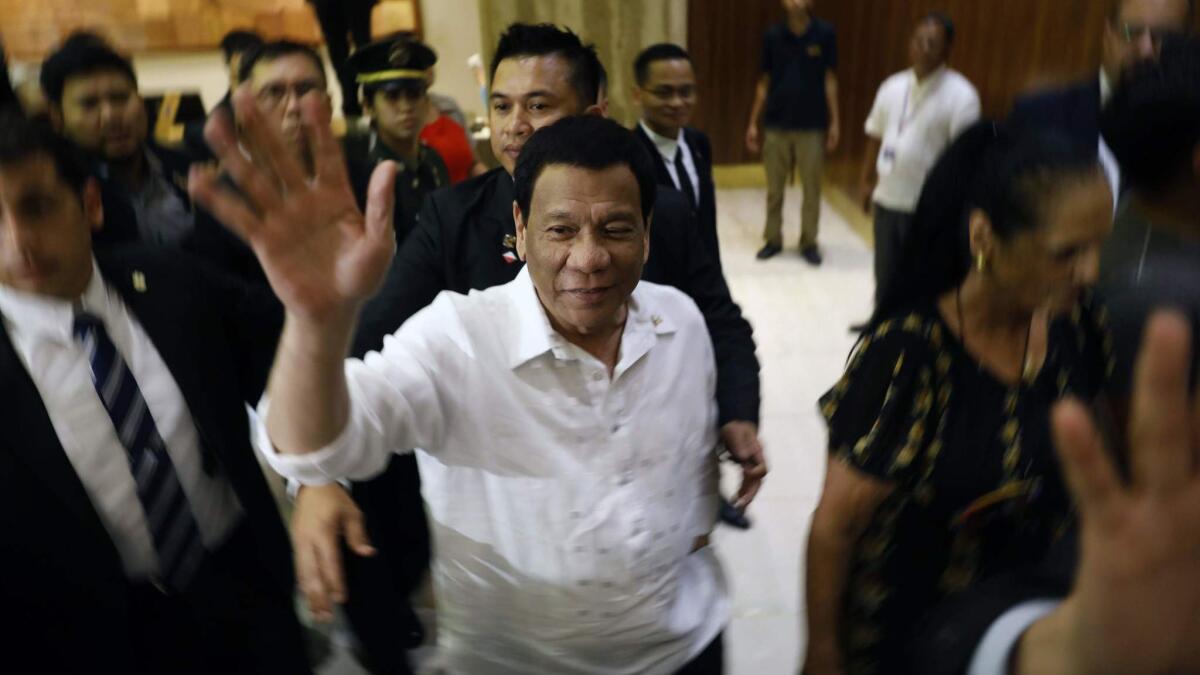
x,y
660,165
26,431
165,314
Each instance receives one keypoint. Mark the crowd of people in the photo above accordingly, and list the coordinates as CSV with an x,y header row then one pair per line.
x,y
522,381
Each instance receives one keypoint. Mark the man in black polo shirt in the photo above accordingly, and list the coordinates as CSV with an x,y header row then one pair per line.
x,y
798,94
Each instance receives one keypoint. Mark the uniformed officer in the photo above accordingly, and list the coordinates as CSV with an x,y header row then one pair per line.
x,y
395,94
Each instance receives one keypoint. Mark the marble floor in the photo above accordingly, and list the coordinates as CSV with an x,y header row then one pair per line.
x,y
800,316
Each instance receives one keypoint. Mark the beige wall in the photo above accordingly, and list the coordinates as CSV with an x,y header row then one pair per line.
x,y
619,28
452,28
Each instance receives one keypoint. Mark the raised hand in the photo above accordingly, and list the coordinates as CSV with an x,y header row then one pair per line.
x,y
323,257
1135,607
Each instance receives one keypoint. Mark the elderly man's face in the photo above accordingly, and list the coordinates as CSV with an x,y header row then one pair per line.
x,y
585,242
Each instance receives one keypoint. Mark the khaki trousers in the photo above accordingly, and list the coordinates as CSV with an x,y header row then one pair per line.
x,y
783,153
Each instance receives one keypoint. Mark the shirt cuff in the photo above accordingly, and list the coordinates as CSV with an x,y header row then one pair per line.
x,y
312,468
996,647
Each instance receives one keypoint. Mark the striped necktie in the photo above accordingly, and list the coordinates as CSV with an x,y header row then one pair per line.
x,y
169,517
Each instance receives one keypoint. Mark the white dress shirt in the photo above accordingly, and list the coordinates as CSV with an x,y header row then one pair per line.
x,y
995,650
41,333
916,122
563,504
667,147
1112,168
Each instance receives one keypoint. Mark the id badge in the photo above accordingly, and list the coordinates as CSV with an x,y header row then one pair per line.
x,y
887,159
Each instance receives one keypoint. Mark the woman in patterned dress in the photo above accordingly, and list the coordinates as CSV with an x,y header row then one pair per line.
x,y
941,469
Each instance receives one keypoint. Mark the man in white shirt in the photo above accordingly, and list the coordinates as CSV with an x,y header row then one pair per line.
x,y
567,419
916,115
139,533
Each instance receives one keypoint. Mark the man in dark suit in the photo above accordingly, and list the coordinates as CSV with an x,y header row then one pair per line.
x,y
465,239
666,93
94,102
139,533
1153,124
1134,32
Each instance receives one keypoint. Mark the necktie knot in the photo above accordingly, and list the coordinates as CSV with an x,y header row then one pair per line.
x,y
86,325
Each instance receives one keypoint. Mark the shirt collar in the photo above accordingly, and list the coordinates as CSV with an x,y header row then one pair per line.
x,y
535,336
667,147
53,318
1106,88
922,85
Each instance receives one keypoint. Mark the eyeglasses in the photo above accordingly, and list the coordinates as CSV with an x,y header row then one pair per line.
x,y
1132,32
686,93
273,94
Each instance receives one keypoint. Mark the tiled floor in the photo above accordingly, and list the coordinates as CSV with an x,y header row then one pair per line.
x,y
800,316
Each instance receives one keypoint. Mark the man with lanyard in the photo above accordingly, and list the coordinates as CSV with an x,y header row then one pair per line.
x,y
916,115
392,74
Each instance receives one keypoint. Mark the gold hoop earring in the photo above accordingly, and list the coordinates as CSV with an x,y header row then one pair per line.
x,y
980,262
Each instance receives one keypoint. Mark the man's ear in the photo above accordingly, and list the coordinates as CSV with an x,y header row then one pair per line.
x,y
93,205
597,109
519,219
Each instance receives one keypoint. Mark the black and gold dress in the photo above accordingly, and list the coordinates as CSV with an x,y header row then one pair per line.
x,y
977,484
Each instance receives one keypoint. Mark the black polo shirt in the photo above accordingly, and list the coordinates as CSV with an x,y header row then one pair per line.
x,y
797,65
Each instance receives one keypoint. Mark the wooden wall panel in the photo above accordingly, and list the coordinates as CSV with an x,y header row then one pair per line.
x,y
30,28
1003,47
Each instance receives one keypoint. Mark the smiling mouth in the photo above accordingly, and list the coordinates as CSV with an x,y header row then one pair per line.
x,y
589,294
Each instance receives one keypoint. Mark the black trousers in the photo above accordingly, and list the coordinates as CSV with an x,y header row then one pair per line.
x,y
342,20
711,661
891,234
380,587
232,619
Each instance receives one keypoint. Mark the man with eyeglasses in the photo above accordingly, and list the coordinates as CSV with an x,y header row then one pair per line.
x,y
1133,33
281,75
666,94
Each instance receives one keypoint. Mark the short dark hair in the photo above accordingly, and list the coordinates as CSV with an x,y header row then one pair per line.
x,y
588,142
1152,123
1114,13
22,139
544,39
239,42
945,22
277,49
664,51
81,54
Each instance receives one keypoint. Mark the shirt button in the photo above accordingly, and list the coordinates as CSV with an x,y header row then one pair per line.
x,y
606,584
616,428
671,493
579,549
585,583
602,551
597,376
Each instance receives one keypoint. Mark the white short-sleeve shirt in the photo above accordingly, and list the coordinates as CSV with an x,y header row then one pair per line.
x,y
916,122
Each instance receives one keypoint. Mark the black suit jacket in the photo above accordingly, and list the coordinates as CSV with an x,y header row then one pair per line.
x,y
120,219
63,585
706,211
459,244
1073,111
